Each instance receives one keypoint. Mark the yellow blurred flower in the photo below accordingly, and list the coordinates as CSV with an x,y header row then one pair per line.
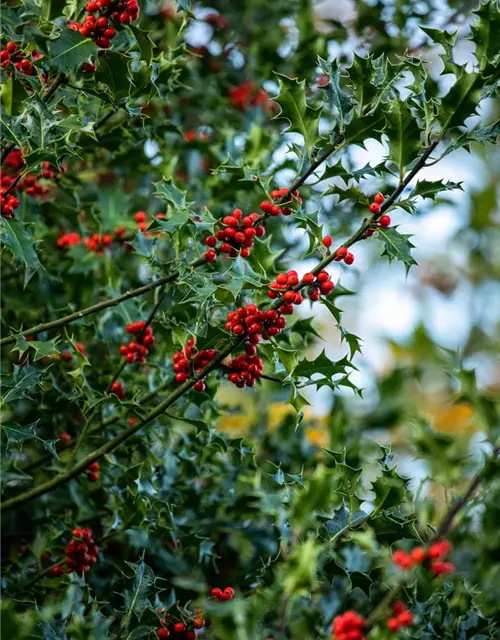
x,y
451,418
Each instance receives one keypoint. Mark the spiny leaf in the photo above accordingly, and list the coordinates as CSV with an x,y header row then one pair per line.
x,y
18,240
70,50
397,246
403,135
144,42
430,188
301,117
339,99
20,384
486,31
321,365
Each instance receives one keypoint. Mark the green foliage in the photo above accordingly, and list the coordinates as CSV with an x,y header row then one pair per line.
x,y
287,491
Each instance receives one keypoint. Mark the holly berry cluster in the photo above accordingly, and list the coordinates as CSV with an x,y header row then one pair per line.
x,y
222,594
236,238
81,553
435,557
247,95
253,323
67,355
181,630
136,351
100,27
246,368
349,626
8,203
118,390
401,617
275,208
384,221
189,361
93,472
11,55
284,283
141,219
68,240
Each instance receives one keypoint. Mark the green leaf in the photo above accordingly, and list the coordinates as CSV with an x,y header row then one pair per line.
x,y
322,365
144,42
18,240
113,71
139,598
403,135
352,192
301,117
20,384
360,129
430,188
44,349
167,190
18,434
113,204
339,99
13,95
70,50
397,246
486,31
175,222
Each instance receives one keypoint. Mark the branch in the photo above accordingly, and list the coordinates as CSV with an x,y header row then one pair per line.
x,y
186,386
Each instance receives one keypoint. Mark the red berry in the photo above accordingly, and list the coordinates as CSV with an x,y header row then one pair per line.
x,y
94,466
308,278
405,618
198,623
393,624
289,297
341,253
349,259
384,221
91,7
199,386
327,287
102,22
216,592
179,627
190,635
418,555
125,17
56,571
374,207
210,241
65,437
442,568
210,255
181,377
398,607
327,241
162,633
230,221
93,476
11,47
379,198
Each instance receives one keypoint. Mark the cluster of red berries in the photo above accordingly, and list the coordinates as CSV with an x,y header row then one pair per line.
x,y
181,630
245,368
384,221
100,28
273,208
189,361
11,55
93,472
222,594
253,323
435,554
247,95
236,238
349,626
318,284
81,553
284,283
342,253
8,203
68,240
138,349
141,218
118,390
401,617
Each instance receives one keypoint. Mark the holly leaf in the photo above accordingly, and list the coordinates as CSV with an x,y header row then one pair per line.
x,y
322,365
13,96
397,246
144,43
113,72
140,596
430,188
70,50
301,117
167,190
341,102
18,240
20,384
403,135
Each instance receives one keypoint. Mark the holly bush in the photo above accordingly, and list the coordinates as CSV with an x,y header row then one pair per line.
x,y
183,187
